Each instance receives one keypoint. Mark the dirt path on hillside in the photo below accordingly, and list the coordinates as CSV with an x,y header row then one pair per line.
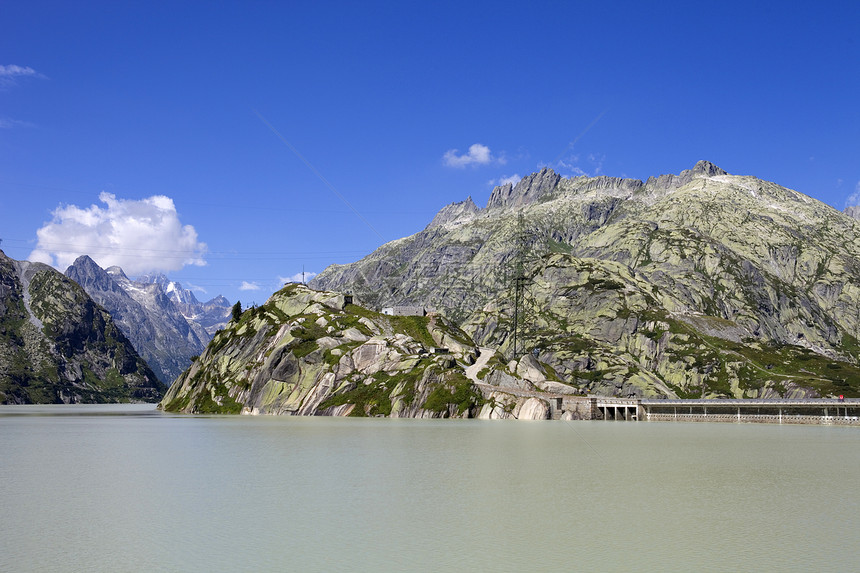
x,y
480,363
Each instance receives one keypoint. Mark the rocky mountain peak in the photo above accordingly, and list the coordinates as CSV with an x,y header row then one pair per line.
x,y
154,278
669,181
527,191
87,273
117,274
461,211
180,295
219,300
58,345
160,326
852,211
700,254
707,168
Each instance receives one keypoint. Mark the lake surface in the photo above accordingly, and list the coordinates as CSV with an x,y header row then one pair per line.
x,y
126,488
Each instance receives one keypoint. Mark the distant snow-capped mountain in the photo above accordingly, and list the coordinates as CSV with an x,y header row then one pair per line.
x,y
165,323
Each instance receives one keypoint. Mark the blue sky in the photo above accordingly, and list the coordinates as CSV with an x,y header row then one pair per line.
x,y
235,143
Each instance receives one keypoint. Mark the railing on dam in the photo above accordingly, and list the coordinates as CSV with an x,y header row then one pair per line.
x,y
779,411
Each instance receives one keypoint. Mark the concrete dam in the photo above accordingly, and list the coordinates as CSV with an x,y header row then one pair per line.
x,y
826,411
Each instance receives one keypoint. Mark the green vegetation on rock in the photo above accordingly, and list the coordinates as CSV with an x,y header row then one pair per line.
x,y
57,345
458,392
310,352
698,284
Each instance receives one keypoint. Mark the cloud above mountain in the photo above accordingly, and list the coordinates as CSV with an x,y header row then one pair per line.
x,y
478,154
298,277
576,165
141,236
854,198
505,179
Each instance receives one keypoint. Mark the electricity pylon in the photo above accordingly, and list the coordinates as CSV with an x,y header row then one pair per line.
x,y
522,246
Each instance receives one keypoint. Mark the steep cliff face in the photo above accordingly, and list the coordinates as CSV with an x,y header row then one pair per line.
x,y
58,346
719,259
307,352
145,314
528,190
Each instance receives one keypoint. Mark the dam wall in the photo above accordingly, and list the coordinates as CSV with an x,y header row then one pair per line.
x,y
823,411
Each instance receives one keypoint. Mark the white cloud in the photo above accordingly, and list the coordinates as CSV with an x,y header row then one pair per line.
x,y
141,236
504,180
575,165
249,286
6,123
297,278
597,162
13,71
854,198
10,73
196,288
478,154
571,167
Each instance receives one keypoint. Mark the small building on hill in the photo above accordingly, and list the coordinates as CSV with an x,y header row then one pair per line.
x,y
404,310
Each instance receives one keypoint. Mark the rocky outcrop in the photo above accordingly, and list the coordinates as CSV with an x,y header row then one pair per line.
x,y
58,346
528,190
307,352
455,213
701,169
852,211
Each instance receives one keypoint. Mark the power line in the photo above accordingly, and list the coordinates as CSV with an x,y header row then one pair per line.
x,y
231,206
68,247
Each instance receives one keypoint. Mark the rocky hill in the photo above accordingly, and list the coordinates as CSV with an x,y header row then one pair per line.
x,y
698,284
58,346
307,352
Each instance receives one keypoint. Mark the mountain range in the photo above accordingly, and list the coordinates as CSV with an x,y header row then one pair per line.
x,y
701,284
165,323
58,346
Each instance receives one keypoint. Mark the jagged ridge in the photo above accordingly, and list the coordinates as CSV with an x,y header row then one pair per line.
x,y
727,257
